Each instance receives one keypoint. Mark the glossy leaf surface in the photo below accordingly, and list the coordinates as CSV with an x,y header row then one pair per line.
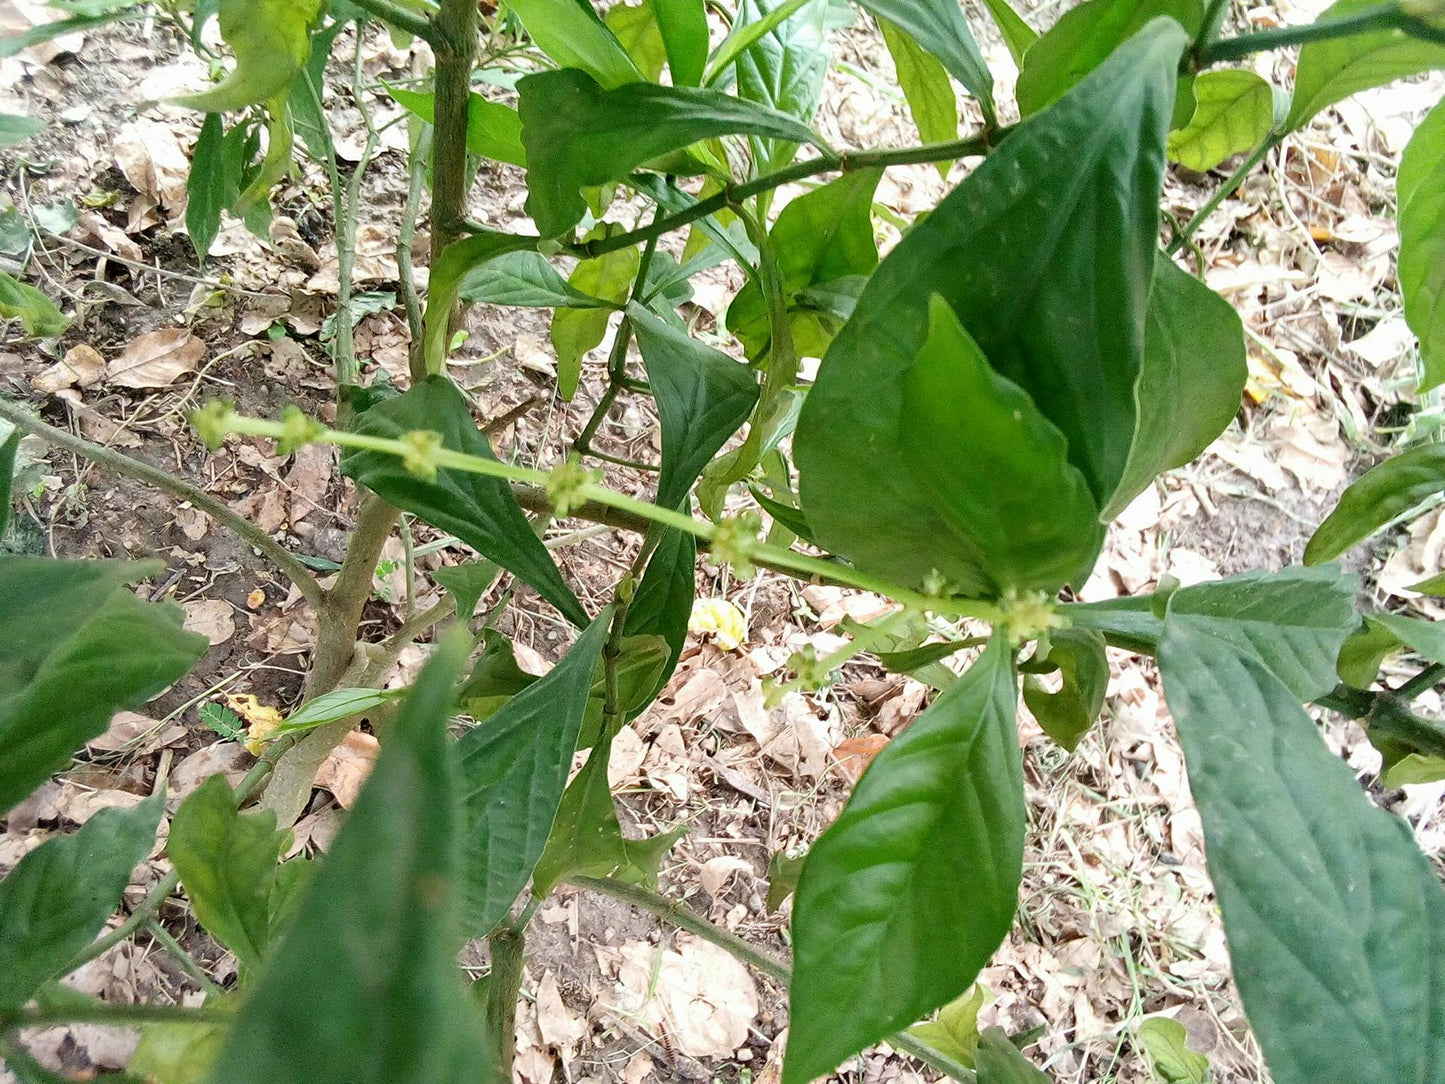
x,y
578,134
76,646
703,397
1056,303
527,280
514,768
1384,492
783,69
479,510
365,985
573,36
1420,203
928,852
58,897
684,35
1334,918
493,130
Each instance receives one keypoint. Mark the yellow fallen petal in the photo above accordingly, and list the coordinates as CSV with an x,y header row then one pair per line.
x,y
720,619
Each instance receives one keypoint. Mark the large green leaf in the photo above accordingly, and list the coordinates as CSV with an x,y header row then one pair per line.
x,y
1427,638
1384,492
637,32
1081,40
1083,668
1294,620
1192,381
36,312
1234,110
822,236
1056,302
1335,68
573,36
446,278
271,40
75,647
939,27
906,896
228,862
1017,35
365,987
514,769
578,134
684,35
1420,203
206,187
1334,919
479,510
783,69
924,82
526,280
1012,511
1000,1062
493,130
57,899
703,397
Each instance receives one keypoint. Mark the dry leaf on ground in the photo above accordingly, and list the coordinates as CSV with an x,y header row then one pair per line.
x,y
155,359
213,618
702,998
347,766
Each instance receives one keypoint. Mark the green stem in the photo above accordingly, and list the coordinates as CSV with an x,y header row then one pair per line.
x,y
456,49
758,552
1427,678
247,531
845,162
678,914
1380,16
340,615
1214,15
503,989
401,18
405,244
182,957
1225,190
116,1015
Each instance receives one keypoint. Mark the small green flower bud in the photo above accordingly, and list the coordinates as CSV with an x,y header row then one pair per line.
x,y
212,422
420,457
565,485
733,542
298,430
1028,615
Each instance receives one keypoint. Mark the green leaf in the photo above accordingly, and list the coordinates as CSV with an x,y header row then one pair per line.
x,y
576,331
703,397
58,897
1010,510
573,36
1425,638
75,647
1234,110
1055,302
514,769
337,704
1066,715
493,130
577,133
1017,35
1192,381
925,86
587,840
1333,69
227,862
1362,653
36,312
177,1053
131,9
1379,496
495,678
783,69
638,33
479,510
8,447
939,27
205,187
365,985
526,280
1165,1041
15,128
1414,768
446,277
954,1031
1084,37
1420,199
467,583
819,237
783,874
1333,916
1294,621
308,113
684,34
927,853
662,604
271,40
1000,1062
